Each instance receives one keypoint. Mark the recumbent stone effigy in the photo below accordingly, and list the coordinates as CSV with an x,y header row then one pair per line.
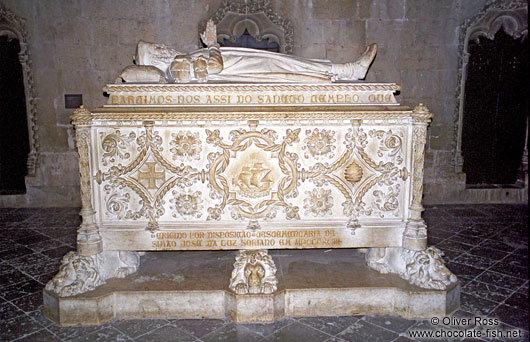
x,y
237,149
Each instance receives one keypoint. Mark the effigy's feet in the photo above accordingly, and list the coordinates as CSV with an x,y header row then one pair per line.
x,y
363,63
356,70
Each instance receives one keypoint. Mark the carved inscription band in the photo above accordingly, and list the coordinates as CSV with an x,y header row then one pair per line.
x,y
138,95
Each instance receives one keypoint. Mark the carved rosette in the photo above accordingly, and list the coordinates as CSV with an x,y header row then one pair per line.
x,y
185,146
319,144
318,202
254,273
187,204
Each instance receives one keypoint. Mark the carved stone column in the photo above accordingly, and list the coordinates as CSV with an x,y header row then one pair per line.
x,y
254,273
415,235
88,238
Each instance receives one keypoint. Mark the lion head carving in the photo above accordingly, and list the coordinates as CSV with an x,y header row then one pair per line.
x,y
76,274
427,269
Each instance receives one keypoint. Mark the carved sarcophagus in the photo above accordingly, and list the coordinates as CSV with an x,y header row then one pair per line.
x,y
248,167
191,167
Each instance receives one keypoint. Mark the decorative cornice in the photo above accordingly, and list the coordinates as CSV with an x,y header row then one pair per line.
x,y
83,119
251,87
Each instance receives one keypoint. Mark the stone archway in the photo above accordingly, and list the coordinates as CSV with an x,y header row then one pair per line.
x,y
257,18
14,27
509,16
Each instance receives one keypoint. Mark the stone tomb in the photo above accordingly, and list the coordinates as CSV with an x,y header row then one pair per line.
x,y
250,167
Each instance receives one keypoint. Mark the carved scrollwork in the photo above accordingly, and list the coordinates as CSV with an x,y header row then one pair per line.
x,y
390,143
117,203
252,185
387,201
383,176
115,145
150,176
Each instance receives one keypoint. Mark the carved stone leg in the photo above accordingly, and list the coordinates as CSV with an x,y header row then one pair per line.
x,y
88,237
415,235
424,268
79,273
254,272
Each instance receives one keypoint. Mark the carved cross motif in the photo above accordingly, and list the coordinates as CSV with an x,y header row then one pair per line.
x,y
151,175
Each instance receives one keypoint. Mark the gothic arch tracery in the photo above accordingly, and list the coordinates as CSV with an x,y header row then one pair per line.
x,y
14,27
256,17
511,16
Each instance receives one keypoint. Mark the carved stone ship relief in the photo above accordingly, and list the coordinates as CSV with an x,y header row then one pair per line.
x,y
253,172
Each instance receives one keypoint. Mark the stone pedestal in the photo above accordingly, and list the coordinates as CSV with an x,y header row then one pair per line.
x,y
195,285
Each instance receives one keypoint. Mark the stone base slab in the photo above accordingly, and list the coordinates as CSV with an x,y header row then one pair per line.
x,y
195,285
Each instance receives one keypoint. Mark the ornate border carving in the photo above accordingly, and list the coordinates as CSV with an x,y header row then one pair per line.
x,y
15,27
510,15
250,87
253,15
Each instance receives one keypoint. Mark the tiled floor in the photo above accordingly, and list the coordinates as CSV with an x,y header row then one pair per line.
x,y
486,246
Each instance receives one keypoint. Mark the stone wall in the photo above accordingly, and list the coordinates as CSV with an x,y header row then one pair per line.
x,y
77,46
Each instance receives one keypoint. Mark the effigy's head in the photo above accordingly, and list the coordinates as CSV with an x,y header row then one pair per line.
x,y
153,54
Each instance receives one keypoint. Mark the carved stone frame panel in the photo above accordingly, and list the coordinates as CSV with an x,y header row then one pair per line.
x,y
512,17
15,27
255,16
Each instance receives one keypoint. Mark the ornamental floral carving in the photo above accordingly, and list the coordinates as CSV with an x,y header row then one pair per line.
x,y
319,144
186,146
254,173
383,176
186,204
386,201
390,144
117,203
115,145
150,176
318,203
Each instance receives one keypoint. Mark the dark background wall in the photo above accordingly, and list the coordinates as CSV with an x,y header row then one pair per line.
x,y
78,46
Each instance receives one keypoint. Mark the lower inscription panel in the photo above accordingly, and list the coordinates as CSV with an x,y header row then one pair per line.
x,y
213,239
